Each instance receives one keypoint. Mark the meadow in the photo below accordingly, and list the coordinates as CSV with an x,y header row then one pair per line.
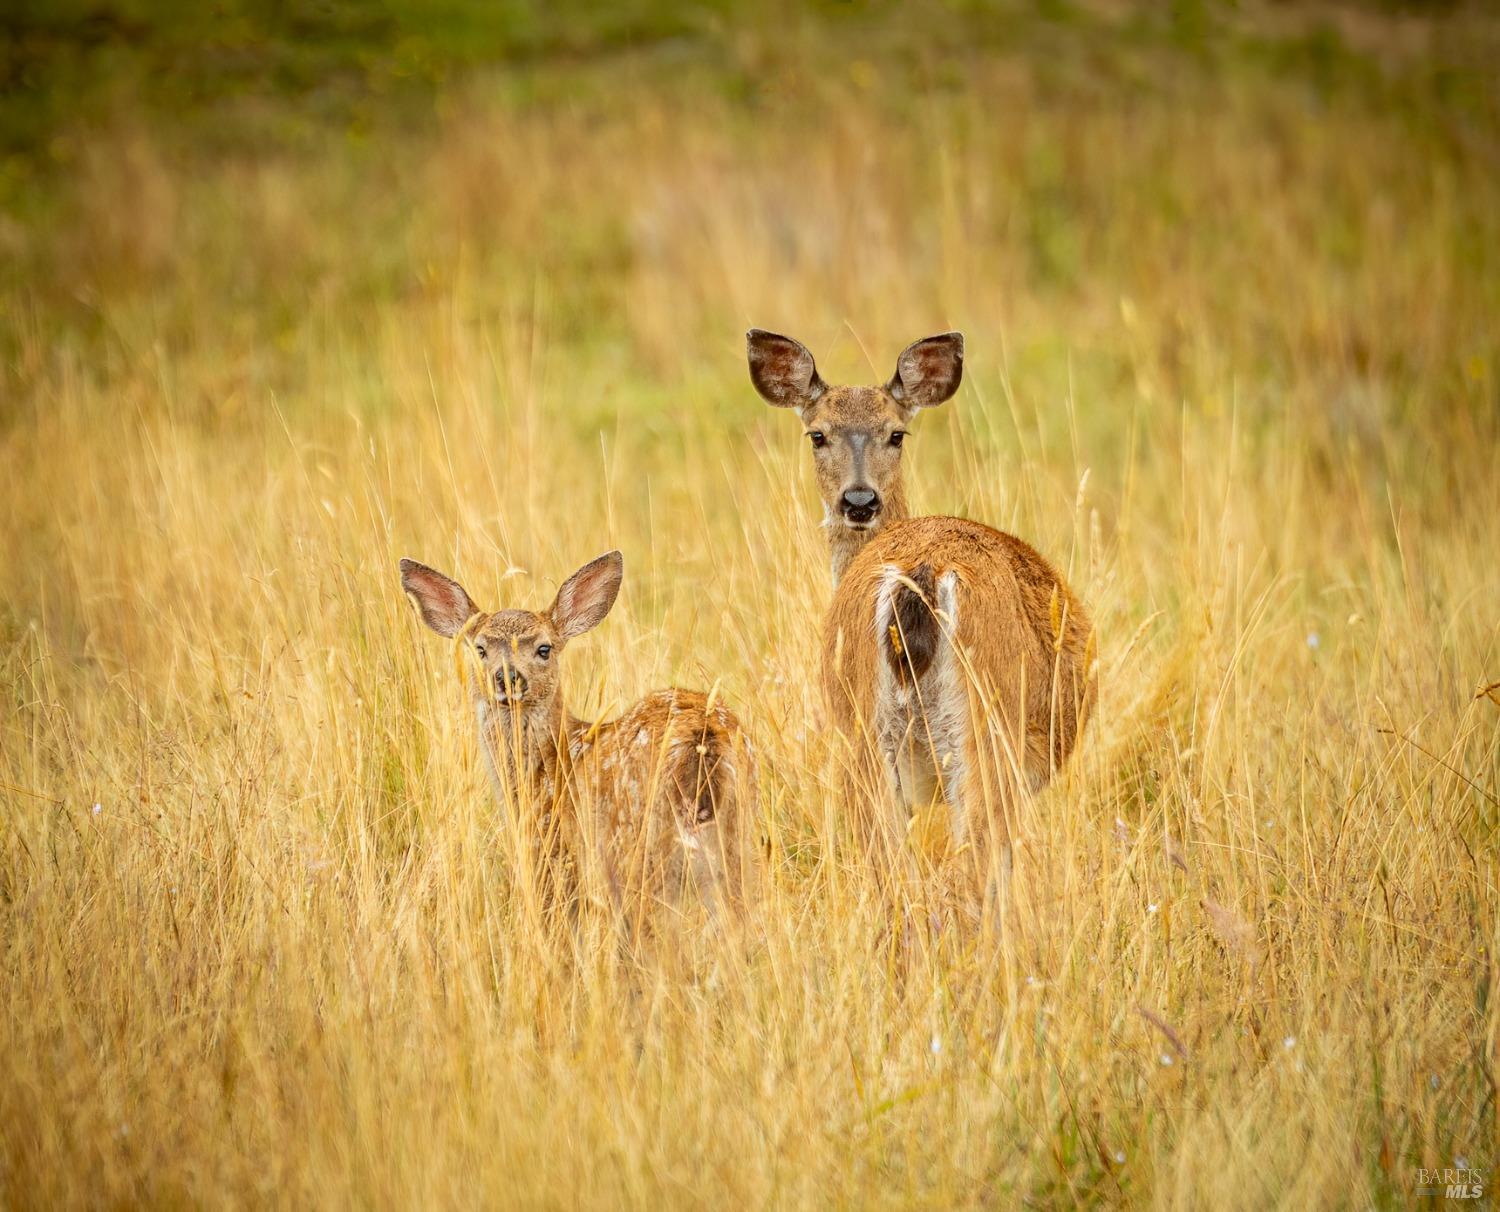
x,y
280,305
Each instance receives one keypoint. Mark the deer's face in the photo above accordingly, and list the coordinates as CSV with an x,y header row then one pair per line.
x,y
520,651
521,656
856,433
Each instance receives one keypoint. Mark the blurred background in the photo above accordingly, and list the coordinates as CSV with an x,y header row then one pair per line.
x,y
1196,189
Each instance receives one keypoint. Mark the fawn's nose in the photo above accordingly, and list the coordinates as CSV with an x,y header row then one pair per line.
x,y
859,504
510,682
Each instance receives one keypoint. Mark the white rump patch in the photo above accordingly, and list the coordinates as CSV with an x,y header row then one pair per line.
x,y
922,731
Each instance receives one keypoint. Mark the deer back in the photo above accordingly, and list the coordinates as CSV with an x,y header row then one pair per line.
x,y
1019,639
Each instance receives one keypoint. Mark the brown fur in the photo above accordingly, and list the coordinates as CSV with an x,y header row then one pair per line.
x,y
1039,684
954,655
653,796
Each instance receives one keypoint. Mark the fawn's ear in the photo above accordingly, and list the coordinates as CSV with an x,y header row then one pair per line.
x,y
782,370
444,605
928,371
586,596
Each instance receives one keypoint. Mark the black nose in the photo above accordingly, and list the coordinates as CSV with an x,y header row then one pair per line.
x,y
859,505
514,676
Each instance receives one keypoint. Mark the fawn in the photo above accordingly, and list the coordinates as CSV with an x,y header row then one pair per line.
x,y
653,796
956,649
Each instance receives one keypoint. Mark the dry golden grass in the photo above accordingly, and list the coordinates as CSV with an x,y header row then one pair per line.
x,y
1232,363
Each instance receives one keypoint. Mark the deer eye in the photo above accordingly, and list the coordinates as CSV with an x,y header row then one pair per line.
x,y
479,648
543,651
819,439
896,438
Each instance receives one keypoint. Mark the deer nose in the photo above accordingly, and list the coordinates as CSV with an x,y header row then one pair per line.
x,y
859,505
515,678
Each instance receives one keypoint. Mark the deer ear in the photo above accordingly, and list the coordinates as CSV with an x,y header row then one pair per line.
x,y
444,605
928,371
782,370
586,596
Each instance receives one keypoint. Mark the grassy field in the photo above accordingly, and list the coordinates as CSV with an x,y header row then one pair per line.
x,y
281,303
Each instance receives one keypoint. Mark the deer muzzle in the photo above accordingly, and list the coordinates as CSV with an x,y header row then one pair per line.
x,y
510,684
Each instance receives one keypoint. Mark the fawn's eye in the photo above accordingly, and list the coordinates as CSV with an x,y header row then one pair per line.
x,y
543,651
897,437
819,439
479,648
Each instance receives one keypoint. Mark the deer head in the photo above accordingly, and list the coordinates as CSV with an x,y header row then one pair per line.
x,y
856,434
520,651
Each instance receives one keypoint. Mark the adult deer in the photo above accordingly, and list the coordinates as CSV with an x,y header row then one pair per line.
x,y
954,655
654,796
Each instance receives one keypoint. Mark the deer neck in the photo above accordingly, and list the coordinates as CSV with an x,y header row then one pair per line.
x,y
529,748
844,544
